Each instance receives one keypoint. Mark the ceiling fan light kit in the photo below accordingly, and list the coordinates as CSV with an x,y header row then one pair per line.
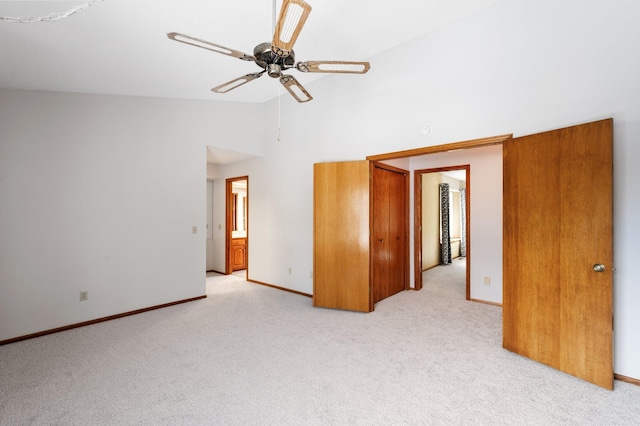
x,y
278,56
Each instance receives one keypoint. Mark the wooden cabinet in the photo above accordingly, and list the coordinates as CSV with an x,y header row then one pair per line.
x,y
239,253
361,228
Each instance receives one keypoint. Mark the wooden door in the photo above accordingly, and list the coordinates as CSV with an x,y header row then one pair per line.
x,y
389,242
557,309
341,236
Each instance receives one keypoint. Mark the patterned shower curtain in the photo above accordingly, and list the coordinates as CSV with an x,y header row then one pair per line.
x,y
463,220
444,224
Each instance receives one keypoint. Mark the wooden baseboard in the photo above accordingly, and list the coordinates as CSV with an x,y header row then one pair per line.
x,y
627,379
280,288
98,320
486,302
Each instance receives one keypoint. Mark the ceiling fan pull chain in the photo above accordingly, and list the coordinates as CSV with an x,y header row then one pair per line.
x,y
55,16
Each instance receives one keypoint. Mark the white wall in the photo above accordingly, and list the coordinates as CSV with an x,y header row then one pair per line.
x,y
210,252
100,193
218,244
519,67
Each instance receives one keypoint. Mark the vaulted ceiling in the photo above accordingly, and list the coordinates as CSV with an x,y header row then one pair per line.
x,y
120,47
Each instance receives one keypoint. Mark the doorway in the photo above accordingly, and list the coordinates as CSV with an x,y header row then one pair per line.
x,y
442,218
557,298
237,226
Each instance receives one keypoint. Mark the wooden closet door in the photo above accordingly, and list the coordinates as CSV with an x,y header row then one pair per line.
x,y
389,245
398,231
341,205
380,234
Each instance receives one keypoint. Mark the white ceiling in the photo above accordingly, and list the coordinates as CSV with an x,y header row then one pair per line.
x,y
225,156
120,47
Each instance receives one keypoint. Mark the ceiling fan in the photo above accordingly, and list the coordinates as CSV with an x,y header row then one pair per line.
x,y
277,56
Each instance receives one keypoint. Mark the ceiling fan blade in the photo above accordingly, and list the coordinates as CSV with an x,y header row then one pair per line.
x,y
342,67
182,38
233,84
297,91
293,15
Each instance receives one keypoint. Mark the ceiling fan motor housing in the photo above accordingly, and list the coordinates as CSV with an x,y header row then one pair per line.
x,y
274,70
272,63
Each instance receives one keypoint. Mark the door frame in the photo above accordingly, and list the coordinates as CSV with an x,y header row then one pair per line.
x,y
228,257
436,149
417,222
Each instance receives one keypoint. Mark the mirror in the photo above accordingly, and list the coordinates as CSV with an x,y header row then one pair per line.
x,y
239,208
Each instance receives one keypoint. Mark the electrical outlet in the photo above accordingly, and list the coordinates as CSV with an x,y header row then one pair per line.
x,y
84,295
487,280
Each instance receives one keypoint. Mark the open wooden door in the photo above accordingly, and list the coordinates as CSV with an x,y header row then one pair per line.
x,y
558,249
341,206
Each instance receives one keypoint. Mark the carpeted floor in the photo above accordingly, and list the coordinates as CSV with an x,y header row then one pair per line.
x,y
253,355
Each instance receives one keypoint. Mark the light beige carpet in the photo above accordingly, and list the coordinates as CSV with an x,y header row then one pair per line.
x,y
253,355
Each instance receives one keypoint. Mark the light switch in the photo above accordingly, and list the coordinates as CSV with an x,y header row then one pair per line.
x,y
194,229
